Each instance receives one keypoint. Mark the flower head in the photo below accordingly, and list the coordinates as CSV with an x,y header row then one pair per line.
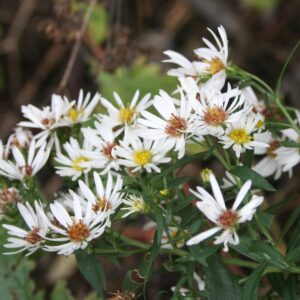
x,y
76,229
215,210
32,239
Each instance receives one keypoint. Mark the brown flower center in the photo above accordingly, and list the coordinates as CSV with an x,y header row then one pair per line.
x,y
215,116
107,150
48,122
32,236
101,205
27,168
228,219
271,149
175,126
78,231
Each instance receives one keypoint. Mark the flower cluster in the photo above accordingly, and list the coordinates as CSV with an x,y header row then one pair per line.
x,y
108,157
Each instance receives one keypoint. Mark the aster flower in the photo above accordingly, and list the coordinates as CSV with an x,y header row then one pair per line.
x,y
74,231
46,119
212,60
241,135
214,208
174,125
124,117
144,154
103,138
133,204
81,110
214,110
289,157
32,239
80,160
269,164
25,165
21,138
103,199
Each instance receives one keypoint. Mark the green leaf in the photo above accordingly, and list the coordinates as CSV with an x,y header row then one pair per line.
x,y
97,26
269,254
146,78
178,181
245,248
219,282
61,292
249,158
91,269
284,285
258,181
249,291
289,223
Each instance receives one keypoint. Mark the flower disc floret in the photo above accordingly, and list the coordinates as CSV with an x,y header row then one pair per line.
x,y
240,136
215,116
175,126
143,157
78,231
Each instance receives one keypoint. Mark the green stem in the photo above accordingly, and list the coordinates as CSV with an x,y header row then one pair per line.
x,y
218,155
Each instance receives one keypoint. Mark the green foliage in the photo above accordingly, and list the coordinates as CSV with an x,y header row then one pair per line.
x,y
219,282
146,78
258,181
91,269
60,292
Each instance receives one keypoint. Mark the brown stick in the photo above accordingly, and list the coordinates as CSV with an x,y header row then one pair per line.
x,y
76,47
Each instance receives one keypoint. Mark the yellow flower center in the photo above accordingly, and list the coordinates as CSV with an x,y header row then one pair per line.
x,y
143,157
216,65
259,124
126,115
240,136
78,231
138,204
76,163
74,114
215,116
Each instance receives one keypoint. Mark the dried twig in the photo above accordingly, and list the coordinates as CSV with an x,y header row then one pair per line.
x,y
76,47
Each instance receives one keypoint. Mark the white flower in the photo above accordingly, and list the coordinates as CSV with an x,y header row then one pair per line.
x,y
21,138
212,60
174,125
82,109
241,135
289,157
79,160
25,166
214,110
143,154
124,117
103,199
46,119
104,140
75,231
269,164
32,239
215,210
133,204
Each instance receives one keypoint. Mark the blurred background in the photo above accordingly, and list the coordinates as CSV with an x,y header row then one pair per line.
x,y
60,46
